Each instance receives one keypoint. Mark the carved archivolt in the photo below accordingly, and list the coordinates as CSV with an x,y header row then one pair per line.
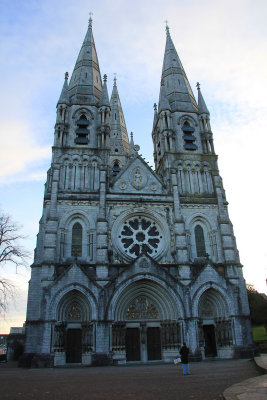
x,y
212,305
74,307
145,299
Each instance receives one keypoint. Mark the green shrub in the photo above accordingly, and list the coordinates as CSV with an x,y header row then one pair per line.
x,y
259,333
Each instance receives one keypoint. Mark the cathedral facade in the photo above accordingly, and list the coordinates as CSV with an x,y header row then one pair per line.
x,y
130,262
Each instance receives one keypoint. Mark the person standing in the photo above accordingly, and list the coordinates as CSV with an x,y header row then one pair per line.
x,y
184,351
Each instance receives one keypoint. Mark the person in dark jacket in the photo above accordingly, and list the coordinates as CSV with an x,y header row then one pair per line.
x,y
184,351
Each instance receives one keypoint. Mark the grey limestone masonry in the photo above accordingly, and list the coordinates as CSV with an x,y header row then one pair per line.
x,y
130,262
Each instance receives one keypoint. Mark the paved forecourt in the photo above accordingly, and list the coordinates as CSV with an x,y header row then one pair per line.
x,y
207,381
253,388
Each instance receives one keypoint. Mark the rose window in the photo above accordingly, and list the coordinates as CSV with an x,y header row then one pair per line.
x,y
140,235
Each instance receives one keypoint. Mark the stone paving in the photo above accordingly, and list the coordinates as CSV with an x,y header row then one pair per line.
x,y
253,388
207,381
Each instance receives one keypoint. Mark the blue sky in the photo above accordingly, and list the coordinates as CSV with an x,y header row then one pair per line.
x,y
221,44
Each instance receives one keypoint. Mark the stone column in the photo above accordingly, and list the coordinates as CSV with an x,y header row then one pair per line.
x,y
102,231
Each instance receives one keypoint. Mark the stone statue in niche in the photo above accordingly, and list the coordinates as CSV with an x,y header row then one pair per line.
x,y
138,178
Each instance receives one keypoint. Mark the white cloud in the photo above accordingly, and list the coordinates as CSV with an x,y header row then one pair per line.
x,y
18,151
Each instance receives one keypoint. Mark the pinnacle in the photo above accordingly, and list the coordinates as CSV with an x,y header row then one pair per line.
x,y
104,100
64,96
202,108
118,127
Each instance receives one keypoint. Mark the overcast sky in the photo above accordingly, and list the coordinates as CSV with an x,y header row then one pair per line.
x,y
222,44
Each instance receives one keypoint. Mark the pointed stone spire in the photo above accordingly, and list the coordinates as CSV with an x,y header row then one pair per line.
x,y
85,84
118,132
178,90
163,100
202,108
64,96
104,100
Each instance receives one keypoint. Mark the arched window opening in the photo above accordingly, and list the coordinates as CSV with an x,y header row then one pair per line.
x,y
82,132
200,241
76,247
188,137
166,120
116,168
168,143
159,152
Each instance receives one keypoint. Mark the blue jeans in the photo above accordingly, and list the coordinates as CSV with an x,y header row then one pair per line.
x,y
186,369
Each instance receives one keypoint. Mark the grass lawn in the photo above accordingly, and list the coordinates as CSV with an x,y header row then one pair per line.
x,y
259,333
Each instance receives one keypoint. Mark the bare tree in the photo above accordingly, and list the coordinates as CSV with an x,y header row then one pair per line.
x,y
7,290
12,252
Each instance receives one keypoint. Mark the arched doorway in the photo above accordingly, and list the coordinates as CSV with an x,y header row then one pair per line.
x,y
147,325
215,327
73,332
143,330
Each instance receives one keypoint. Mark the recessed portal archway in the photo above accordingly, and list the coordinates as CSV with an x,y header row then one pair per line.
x,y
73,331
215,328
147,322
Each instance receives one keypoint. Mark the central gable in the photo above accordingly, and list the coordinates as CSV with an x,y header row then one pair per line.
x,y
137,177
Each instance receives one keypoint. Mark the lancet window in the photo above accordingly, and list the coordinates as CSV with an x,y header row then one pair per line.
x,y
200,241
76,246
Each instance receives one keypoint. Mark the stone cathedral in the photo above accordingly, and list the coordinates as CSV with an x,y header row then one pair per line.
x,y
131,262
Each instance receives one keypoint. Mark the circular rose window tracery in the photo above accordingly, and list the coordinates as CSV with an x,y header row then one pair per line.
x,y
140,235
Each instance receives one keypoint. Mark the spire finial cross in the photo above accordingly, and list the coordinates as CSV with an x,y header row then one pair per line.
x,y
90,19
167,27
115,78
198,85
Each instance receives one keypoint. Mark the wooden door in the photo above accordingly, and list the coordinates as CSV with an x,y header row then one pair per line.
x,y
210,341
132,342
74,346
153,344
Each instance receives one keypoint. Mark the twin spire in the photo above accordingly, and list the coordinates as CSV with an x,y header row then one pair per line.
x,y
175,91
178,90
86,86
